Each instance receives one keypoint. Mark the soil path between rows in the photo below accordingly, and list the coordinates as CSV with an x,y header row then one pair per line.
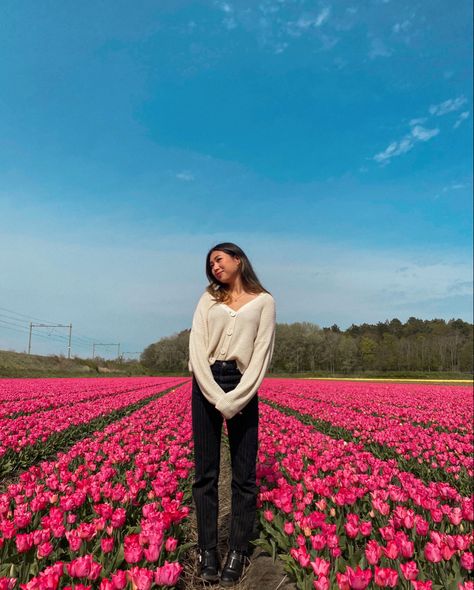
x,y
261,574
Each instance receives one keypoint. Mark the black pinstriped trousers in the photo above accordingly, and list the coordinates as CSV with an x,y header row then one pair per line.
x,y
243,441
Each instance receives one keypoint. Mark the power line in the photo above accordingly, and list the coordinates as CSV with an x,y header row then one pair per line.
x,y
23,315
78,335
20,325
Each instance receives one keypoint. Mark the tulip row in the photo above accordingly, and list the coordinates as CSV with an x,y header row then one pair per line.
x,y
447,454
445,407
106,513
48,394
343,518
30,389
24,431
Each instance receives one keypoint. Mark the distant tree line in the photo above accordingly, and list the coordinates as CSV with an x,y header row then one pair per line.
x,y
416,345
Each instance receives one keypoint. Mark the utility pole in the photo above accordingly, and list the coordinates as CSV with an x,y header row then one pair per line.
x,y
52,326
105,344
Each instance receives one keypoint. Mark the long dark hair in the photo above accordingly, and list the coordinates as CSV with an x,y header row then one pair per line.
x,y
250,282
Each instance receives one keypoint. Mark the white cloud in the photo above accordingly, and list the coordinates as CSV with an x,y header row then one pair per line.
x,y
402,26
422,134
334,283
225,7
462,117
229,21
322,17
418,121
305,22
455,186
378,49
404,145
185,176
280,48
448,106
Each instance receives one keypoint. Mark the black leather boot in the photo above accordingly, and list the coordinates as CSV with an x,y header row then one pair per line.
x,y
233,568
208,565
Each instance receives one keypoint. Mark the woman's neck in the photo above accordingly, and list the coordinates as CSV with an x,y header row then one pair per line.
x,y
236,287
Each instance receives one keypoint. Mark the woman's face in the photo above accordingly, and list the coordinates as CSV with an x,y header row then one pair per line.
x,y
223,266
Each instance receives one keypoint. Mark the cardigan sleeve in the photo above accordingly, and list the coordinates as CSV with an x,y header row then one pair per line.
x,y
201,369
233,401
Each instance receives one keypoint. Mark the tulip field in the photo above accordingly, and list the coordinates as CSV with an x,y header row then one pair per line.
x,y
361,485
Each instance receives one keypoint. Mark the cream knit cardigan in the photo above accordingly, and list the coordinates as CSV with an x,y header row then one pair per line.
x,y
221,333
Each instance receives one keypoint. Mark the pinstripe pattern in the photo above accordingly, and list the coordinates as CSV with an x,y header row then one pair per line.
x,y
243,441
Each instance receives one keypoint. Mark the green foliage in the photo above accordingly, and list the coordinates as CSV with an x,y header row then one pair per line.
x,y
416,348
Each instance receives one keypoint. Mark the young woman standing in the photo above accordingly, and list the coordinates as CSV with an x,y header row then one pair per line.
x,y
230,347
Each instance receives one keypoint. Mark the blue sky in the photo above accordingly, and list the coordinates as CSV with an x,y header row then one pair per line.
x,y
331,140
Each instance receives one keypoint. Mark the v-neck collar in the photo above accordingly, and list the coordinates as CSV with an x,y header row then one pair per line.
x,y
248,303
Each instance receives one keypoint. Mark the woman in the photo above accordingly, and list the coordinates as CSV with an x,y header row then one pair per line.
x,y
230,347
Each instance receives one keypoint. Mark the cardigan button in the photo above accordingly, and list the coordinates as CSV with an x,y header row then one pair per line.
x,y
229,332
232,313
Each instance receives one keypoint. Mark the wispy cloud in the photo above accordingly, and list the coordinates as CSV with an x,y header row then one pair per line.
x,y
455,186
419,132
462,117
307,21
316,21
448,106
185,176
378,49
418,121
407,143
229,20
402,26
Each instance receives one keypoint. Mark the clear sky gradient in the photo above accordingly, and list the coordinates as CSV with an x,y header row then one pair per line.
x,y
331,140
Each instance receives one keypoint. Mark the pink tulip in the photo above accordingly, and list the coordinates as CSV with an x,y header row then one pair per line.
x,y
342,581
168,574
152,552
268,515
171,544
365,528
107,544
358,579
118,518
373,552
140,577
320,566
44,549
386,577
322,583
24,542
467,561
133,552
433,553
422,527
318,542
391,550
119,579
409,570
352,530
